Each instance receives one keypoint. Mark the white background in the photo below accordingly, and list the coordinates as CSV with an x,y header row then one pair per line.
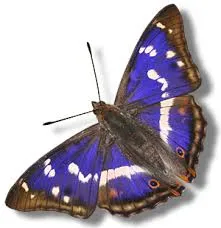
x,y
45,74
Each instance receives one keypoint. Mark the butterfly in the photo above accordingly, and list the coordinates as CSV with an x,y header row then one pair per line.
x,y
142,148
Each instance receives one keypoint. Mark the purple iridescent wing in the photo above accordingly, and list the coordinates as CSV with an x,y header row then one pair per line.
x,y
180,123
126,188
160,66
66,179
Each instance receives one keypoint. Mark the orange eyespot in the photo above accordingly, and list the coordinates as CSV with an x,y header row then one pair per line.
x,y
154,183
180,152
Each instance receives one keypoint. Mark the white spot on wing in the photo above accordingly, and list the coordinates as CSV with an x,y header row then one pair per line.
x,y
55,191
32,196
95,177
152,74
165,95
84,179
47,161
164,82
25,186
170,54
153,53
148,49
47,169
66,199
170,31
51,173
180,63
141,50
160,25
73,168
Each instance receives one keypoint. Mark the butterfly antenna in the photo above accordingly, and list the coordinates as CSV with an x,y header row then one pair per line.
x,y
52,122
98,91
89,49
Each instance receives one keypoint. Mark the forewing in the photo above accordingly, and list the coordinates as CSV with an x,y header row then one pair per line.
x,y
66,179
126,188
161,66
180,123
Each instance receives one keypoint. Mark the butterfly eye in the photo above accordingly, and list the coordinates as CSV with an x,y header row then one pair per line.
x,y
154,183
96,111
102,103
180,152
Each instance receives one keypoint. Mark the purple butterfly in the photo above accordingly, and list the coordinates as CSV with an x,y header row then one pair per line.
x,y
142,146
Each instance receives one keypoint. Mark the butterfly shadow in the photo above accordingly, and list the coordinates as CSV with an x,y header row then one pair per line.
x,y
74,125
206,157
97,217
160,210
106,90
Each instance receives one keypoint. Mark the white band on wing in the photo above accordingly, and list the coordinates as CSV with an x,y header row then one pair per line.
x,y
123,171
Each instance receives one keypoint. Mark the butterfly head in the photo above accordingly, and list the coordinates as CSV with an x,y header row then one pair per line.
x,y
98,109
103,110
98,106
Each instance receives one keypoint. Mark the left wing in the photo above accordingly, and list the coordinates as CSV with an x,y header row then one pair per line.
x,y
160,66
65,180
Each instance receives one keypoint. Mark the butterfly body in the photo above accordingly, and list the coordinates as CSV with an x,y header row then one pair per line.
x,y
141,147
141,144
